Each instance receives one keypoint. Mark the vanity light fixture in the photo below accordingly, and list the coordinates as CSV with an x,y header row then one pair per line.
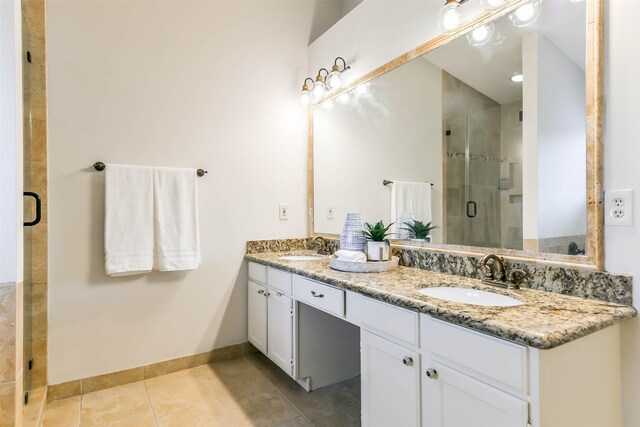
x,y
334,79
305,95
481,35
491,4
525,14
517,78
319,87
450,15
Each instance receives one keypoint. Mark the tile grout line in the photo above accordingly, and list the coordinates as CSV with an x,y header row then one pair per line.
x,y
153,412
279,392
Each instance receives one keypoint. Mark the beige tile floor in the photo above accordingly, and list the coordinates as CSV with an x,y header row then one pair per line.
x,y
250,391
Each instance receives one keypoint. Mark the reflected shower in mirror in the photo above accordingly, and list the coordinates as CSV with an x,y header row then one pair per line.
x,y
493,127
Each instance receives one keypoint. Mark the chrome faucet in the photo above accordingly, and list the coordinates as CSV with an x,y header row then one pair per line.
x,y
324,245
495,274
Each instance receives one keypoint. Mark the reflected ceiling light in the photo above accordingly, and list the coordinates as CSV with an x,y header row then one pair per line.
x,y
491,4
343,98
481,35
319,88
334,80
525,14
361,89
450,15
305,95
328,105
517,78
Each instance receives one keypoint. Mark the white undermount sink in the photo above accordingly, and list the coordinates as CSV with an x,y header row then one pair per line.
x,y
300,257
470,296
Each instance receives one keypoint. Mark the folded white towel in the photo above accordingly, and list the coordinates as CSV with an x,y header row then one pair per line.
x,y
410,197
176,219
128,222
351,256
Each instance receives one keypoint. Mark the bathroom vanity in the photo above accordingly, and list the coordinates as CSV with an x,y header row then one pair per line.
x,y
552,361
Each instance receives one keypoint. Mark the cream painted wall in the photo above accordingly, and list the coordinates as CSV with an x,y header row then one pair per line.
x,y
369,39
622,154
394,132
206,84
11,264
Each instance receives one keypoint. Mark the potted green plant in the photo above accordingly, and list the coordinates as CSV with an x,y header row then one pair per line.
x,y
378,246
419,230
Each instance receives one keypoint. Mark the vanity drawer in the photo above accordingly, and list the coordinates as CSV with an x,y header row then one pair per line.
x,y
395,322
321,296
500,360
279,280
258,272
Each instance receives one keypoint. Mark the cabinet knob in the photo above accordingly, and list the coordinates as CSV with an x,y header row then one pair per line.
x,y
432,374
266,294
317,295
407,361
261,291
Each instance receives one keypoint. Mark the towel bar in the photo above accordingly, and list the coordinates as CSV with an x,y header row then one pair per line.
x,y
99,166
387,182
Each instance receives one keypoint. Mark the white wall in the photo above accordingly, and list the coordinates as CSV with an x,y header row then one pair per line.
x,y
371,40
11,261
175,83
622,154
554,141
394,132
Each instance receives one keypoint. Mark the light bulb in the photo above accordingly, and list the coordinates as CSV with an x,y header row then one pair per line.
x,y
481,35
450,16
517,78
317,91
334,80
525,14
343,98
491,4
305,97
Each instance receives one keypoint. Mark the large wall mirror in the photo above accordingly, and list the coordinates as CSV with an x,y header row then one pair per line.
x,y
491,133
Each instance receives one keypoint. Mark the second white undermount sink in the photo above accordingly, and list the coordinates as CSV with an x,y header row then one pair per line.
x,y
470,296
300,257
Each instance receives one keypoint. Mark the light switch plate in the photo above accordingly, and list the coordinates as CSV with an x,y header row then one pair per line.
x,y
618,207
331,211
284,211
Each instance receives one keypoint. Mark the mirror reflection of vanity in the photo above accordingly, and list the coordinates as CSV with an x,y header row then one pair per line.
x,y
492,122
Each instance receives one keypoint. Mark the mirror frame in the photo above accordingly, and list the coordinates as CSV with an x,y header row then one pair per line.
x,y
594,258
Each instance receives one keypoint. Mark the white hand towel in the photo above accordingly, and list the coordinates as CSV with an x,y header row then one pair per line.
x,y
176,219
128,221
351,256
410,197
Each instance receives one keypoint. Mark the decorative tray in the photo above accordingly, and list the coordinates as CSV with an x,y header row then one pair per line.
x,y
363,267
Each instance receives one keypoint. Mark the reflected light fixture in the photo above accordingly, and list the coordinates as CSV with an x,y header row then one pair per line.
x,y
525,14
343,98
361,89
491,4
517,78
481,35
450,15
334,79
305,95
319,88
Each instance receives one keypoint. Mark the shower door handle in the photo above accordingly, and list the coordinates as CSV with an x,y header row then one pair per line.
x,y
471,213
38,208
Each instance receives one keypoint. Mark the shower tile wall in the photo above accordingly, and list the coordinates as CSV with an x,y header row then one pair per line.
x,y
511,175
470,114
35,179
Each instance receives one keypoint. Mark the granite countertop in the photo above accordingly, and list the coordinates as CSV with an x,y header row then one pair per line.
x,y
545,320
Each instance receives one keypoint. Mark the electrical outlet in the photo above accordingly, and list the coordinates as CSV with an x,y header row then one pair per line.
x,y
331,211
284,211
618,205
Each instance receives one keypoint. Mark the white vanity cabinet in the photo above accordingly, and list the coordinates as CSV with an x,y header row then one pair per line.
x,y
257,316
280,330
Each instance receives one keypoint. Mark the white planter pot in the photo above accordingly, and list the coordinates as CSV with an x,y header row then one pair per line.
x,y
378,251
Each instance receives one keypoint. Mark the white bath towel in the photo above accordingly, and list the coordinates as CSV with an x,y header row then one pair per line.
x,y
128,222
351,256
412,197
176,219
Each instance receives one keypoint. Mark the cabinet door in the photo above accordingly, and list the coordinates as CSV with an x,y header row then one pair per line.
x,y
390,383
257,316
280,330
453,399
